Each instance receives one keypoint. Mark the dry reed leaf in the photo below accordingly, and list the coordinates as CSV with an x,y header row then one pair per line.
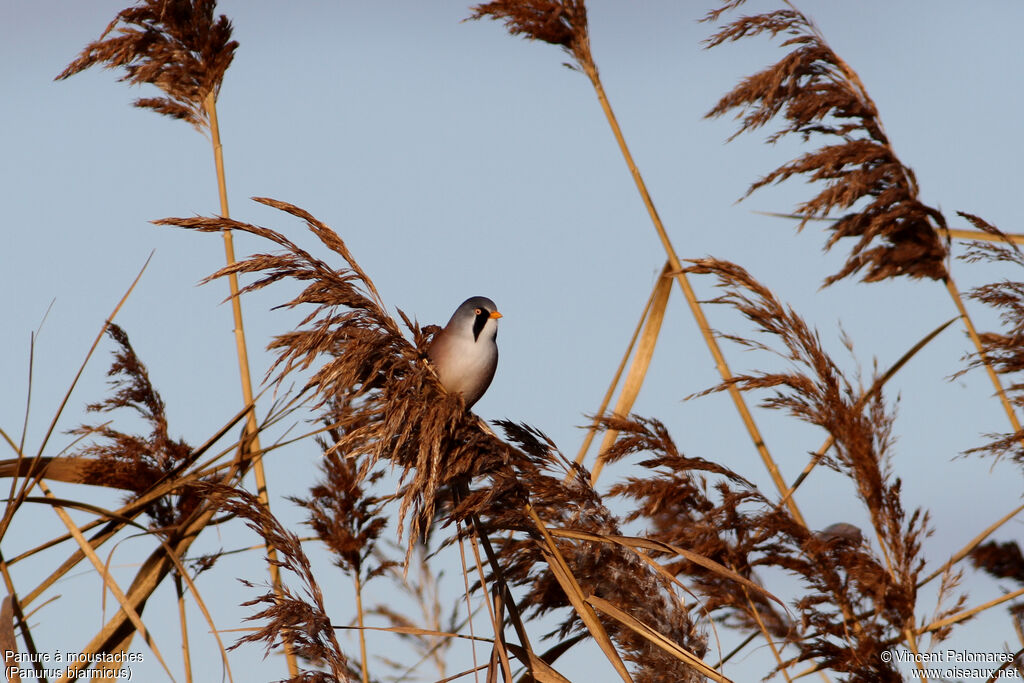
x,y
70,469
681,514
641,362
503,597
181,47
660,546
384,393
595,423
766,630
541,671
574,593
128,512
128,614
413,631
152,468
118,631
8,641
955,233
127,608
27,484
609,570
843,581
501,593
653,636
978,236
201,604
564,22
132,462
182,574
552,654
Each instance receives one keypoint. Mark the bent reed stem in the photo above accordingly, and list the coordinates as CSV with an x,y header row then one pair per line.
x,y
691,298
592,429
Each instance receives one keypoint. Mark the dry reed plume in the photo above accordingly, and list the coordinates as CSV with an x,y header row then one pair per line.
x,y
177,45
134,463
296,619
859,603
819,96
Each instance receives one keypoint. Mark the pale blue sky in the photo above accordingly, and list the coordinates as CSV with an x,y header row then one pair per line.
x,y
456,160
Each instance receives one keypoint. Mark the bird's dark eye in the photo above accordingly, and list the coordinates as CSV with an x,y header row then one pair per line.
x,y
477,311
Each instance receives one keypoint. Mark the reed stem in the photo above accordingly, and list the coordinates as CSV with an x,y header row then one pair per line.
x,y
249,447
973,333
691,298
364,669
186,654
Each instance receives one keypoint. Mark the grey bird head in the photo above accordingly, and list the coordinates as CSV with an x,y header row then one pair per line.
x,y
464,353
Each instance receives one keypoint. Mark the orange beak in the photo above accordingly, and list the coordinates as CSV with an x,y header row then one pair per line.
x,y
495,315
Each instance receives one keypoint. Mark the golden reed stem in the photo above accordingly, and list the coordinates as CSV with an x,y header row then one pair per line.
x,y
251,443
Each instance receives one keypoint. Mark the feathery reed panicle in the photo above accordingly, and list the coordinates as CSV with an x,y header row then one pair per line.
x,y
177,45
344,515
849,582
606,570
296,619
734,525
818,94
136,463
674,498
349,520
1003,350
386,401
558,22
422,586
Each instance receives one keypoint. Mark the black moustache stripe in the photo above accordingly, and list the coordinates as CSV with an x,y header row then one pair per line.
x,y
478,324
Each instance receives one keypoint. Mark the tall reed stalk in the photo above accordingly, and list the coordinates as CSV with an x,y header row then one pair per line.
x,y
251,448
564,23
184,50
